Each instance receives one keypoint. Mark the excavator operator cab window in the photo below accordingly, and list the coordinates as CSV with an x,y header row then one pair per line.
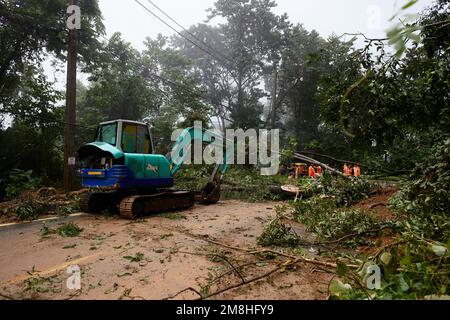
x,y
136,139
107,133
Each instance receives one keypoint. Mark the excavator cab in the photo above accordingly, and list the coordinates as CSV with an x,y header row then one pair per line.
x,y
128,136
121,158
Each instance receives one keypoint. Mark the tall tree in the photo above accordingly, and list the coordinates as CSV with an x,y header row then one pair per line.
x,y
212,74
30,30
381,102
155,85
118,89
296,84
181,100
242,47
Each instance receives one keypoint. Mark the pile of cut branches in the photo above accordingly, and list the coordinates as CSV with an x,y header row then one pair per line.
x,y
325,210
32,204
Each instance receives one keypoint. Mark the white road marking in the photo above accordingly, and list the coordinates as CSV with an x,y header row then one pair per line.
x,y
53,269
41,220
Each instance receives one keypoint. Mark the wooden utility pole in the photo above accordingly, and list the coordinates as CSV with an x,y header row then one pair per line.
x,y
70,114
273,116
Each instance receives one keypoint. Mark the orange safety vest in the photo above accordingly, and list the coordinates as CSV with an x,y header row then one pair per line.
x,y
347,171
319,170
357,171
312,172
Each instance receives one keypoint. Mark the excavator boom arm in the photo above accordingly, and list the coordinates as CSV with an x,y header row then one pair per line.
x,y
183,145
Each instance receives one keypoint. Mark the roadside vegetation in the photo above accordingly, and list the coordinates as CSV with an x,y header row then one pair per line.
x,y
412,249
238,183
29,200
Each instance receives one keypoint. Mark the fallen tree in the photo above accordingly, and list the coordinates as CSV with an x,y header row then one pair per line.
x,y
317,163
31,204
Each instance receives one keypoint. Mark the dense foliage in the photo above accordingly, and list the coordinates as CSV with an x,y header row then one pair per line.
x,y
325,210
32,34
238,183
20,180
363,104
412,268
425,199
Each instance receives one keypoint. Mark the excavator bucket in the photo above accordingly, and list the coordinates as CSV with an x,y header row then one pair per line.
x,y
210,194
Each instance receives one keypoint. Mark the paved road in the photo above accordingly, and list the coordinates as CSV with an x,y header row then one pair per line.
x,y
154,258
9,229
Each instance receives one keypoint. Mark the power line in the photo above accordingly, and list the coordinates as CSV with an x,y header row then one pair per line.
x,y
190,33
181,86
45,119
184,88
182,35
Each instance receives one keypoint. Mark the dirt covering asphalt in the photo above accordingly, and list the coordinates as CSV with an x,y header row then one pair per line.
x,y
181,255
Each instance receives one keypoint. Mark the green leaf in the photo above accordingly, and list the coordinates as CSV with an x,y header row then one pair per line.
x,y
70,246
386,259
440,251
406,260
415,37
337,287
137,258
403,286
409,4
394,32
341,269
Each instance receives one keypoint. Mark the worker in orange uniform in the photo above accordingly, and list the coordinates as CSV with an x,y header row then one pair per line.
x,y
347,171
298,170
319,170
357,171
312,172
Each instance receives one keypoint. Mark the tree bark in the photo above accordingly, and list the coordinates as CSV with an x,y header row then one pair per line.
x,y
70,115
274,97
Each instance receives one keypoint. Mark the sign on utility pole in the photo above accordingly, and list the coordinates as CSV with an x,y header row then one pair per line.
x,y
73,24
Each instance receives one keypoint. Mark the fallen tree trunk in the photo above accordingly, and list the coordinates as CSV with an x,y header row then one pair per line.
x,y
384,171
339,160
314,161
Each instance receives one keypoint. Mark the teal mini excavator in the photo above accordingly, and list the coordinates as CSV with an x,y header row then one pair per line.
x,y
125,176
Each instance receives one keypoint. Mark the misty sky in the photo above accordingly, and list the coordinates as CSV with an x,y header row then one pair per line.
x,y
370,17
326,16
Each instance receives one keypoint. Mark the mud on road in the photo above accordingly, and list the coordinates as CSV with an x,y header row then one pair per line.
x,y
154,258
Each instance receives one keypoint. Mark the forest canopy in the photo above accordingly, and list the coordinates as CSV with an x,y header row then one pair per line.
x,y
385,104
